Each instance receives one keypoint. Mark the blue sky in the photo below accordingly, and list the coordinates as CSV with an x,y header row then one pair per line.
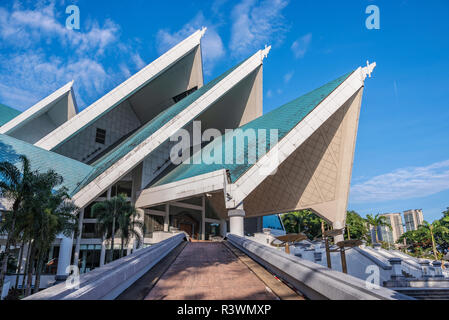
x,y
402,154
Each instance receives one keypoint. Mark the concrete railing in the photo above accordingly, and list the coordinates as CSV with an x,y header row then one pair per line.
x,y
109,281
313,280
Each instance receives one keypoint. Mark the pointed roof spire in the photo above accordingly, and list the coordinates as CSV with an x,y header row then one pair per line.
x,y
264,52
368,69
203,31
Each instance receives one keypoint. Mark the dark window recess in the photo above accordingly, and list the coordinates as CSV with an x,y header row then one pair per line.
x,y
181,96
100,137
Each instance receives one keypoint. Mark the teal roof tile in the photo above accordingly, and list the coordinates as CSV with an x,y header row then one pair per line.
x,y
148,129
284,118
7,114
42,160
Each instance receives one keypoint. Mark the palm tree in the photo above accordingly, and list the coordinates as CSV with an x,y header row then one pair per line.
x,y
377,221
430,229
291,222
49,213
15,186
129,226
108,215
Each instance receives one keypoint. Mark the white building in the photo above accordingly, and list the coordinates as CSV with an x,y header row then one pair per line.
x,y
121,145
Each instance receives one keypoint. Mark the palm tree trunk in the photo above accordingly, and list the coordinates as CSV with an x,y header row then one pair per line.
x,y
22,246
111,255
39,266
121,247
433,243
9,241
30,271
27,263
377,237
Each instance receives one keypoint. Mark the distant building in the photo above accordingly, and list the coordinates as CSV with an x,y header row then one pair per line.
x,y
397,228
413,219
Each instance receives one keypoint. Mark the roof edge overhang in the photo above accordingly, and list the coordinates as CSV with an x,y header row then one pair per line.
x,y
121,92
38,109
123,166
178,190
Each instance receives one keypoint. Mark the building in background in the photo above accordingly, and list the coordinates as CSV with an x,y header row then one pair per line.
x,y
413,219
397,229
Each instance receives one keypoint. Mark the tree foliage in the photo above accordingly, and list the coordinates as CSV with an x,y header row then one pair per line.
x,y
303,221
357,227
430,239
376,222
41,209
117,215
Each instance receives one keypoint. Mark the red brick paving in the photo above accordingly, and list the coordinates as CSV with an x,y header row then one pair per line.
x,y
209,271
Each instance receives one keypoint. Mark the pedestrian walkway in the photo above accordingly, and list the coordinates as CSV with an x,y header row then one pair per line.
x,y
209,271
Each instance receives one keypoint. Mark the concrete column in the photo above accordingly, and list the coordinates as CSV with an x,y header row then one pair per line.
x,y
236,221
338,225
425,268
50,253
396,264
259,224
203,218
102,253
223,227
65,255
78,239
437,269
83,262
167,217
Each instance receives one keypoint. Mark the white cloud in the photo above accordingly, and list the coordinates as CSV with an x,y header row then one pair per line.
x,y
138,61
24,27
212,45
288,76
406,183
300,46
38,55
256,23
269,94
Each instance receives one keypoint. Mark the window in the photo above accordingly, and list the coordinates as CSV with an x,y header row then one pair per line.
x,y
100,137
181,96
122,187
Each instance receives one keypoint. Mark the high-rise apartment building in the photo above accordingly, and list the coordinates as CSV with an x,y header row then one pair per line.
x,y
413,219
397,229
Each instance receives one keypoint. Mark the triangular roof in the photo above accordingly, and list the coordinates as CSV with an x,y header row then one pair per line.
x,y
38,109
7,114
283,118
131,152
147,130
119,94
